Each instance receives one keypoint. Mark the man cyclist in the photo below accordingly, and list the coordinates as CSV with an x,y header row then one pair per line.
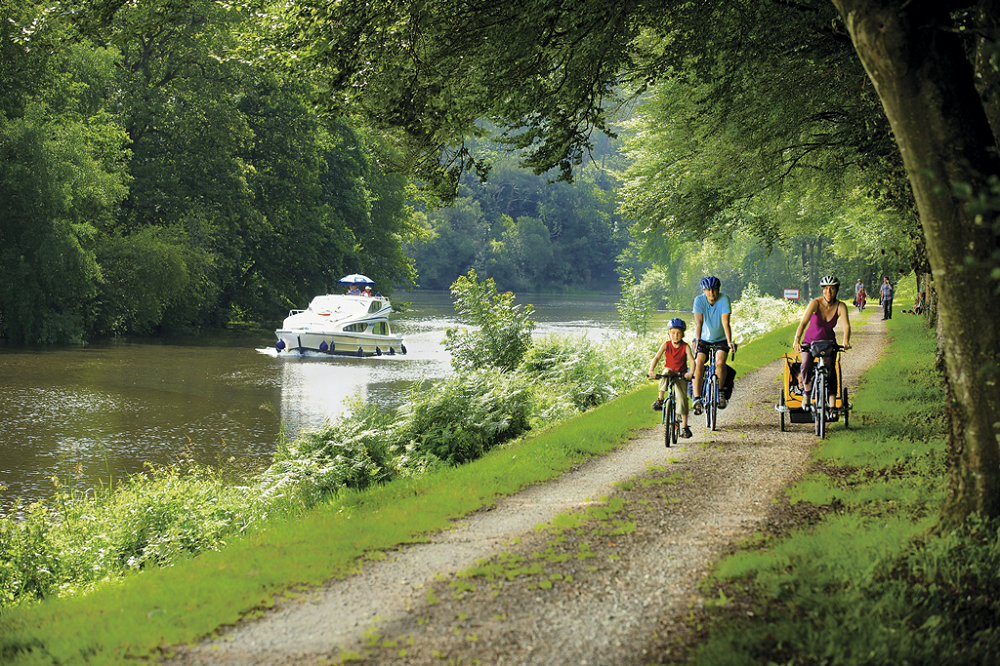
x,y
711,328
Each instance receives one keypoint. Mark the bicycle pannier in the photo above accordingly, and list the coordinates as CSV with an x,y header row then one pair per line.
x,y
823,348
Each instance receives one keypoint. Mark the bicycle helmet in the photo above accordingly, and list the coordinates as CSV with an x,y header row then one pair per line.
x,y
829,281
677,323
710,282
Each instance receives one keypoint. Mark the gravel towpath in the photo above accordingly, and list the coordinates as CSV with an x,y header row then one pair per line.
x,y
611,589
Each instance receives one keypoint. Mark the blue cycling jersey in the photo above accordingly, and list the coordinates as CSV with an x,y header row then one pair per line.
x,y
711,327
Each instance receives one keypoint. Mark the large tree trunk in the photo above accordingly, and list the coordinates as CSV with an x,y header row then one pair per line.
x,y
927,88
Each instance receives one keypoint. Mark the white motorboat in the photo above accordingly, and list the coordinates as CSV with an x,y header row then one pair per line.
x,y
343,325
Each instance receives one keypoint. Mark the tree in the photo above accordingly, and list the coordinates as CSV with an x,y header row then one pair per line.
x,y
265,202
916,55
549,74
502,333
634,307
61,176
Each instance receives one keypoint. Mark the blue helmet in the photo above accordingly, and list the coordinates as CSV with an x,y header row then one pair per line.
x,y
710,282
677,323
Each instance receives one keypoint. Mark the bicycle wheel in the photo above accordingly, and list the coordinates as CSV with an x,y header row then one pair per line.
x,y
820,404
668,419
815,397
781,404
844,408
672,423
711,409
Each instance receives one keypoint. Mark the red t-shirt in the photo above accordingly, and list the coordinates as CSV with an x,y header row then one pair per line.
x,y
675,358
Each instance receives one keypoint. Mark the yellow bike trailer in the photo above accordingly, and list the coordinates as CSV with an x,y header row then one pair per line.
x,y
790,398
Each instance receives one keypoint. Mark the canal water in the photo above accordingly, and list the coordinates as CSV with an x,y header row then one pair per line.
x,y
91,414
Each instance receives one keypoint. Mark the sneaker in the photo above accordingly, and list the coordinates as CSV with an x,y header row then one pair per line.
x,y
722,402
657,405
806,401
685,433
698,407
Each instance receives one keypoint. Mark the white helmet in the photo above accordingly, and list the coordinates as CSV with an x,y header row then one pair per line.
x,y
829,281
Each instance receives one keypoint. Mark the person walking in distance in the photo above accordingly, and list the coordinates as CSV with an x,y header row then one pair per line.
x,y
886,296
711,328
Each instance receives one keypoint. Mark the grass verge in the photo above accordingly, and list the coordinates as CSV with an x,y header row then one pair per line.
x,y
865,580
142,615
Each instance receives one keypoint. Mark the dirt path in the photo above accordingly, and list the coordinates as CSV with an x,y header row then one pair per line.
x,y
607,592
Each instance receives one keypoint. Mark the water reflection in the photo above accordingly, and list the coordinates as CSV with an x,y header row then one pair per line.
x,y
99,412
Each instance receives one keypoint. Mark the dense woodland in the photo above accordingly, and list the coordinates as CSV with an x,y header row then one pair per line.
x,y
160,172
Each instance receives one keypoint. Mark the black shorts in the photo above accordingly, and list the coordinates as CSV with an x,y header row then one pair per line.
x,y
706,347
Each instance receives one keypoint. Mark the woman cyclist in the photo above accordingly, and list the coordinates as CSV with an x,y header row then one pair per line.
x,y
822,315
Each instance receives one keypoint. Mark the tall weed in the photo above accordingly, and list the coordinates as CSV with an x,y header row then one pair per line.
x,y
354,452
465,416
154,519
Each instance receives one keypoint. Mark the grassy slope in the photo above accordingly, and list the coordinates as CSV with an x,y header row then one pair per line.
x,y
868,580
135,617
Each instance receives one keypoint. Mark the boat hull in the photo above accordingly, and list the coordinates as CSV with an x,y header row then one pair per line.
x,y
339,343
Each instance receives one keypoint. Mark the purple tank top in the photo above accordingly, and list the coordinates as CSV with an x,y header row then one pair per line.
x,y
820,329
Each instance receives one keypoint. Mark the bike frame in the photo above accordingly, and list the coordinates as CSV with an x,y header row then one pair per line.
x,y
821,392
671,421
710,389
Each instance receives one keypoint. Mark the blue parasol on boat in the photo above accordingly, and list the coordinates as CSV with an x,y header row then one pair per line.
x,y
355,278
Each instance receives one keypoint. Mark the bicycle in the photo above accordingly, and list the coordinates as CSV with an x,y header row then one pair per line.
x,y
671,417
710,387
821,411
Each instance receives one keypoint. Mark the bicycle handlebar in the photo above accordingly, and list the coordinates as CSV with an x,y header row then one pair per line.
x,y
807,348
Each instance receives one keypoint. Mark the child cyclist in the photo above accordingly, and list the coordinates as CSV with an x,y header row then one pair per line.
x,y
675,353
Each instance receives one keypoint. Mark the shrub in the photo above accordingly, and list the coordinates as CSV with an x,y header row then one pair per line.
x,y
460,419
754,314
635,308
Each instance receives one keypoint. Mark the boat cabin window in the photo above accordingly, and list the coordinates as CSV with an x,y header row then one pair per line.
x,y
380,328
374,307
355,328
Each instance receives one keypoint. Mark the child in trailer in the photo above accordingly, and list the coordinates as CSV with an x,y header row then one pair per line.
x,y
675,353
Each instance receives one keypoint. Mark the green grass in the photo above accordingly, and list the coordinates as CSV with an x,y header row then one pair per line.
x,y
137,616
870,580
